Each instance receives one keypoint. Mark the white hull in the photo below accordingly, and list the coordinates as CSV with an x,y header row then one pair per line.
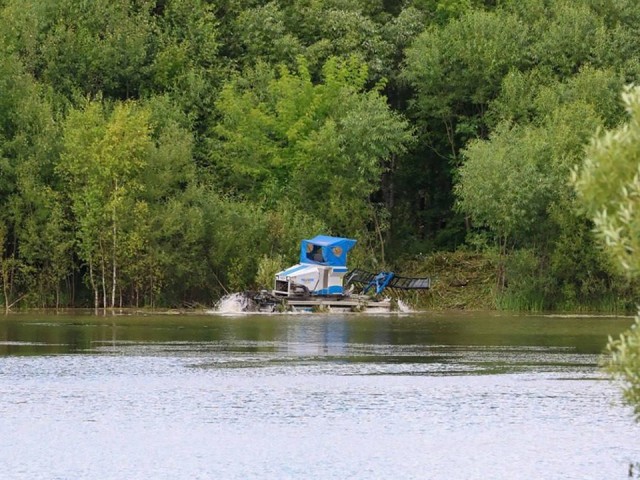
x,y
354,303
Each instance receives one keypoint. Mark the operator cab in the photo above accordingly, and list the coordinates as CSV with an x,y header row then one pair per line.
x,y
323,264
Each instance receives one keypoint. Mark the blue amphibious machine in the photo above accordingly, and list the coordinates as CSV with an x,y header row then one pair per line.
x,y
322,281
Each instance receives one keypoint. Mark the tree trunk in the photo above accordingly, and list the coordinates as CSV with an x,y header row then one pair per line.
x,y
113,273
72,287
94,287
389,194
115,246
501,267
5,286
381,239
448,123
104,291
104,282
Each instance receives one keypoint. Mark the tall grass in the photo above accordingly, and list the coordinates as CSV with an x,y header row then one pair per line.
x,y
518,301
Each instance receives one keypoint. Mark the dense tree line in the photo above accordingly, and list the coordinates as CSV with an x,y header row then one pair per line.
x,y
165,152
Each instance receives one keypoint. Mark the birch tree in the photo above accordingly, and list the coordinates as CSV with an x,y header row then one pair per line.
x,y
104,150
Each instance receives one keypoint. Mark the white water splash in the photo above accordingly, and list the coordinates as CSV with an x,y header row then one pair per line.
x,y
237,303
403,307
232,303
400,307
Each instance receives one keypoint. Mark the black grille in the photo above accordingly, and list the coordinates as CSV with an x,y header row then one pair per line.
x,y
282,286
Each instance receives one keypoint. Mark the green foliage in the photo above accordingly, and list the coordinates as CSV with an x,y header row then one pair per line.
x,y
509,181
608,185
510,63
267,269
567,37
457,69
504,184
279,32
183,60
608,189
104,153
119,48
264,33
323,146
35,240
527,288
515,184
137,138
94,47
123,164
624,363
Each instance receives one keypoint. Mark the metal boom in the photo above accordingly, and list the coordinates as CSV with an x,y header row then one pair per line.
x,y
383,280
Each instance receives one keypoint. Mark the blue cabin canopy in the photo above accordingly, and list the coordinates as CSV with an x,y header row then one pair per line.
x,y
325,250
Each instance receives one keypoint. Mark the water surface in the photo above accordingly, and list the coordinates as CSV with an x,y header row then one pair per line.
x,y
424,396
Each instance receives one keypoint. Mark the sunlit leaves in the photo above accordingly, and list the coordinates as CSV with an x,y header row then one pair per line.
x,y
504,182
322,145
463,63
278,32
119,48
608,187
121,166
509,182
608,184
624,363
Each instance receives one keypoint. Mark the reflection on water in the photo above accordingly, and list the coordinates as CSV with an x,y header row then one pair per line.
x,y
326,397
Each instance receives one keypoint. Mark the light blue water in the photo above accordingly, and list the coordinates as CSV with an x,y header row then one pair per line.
x,y
314,397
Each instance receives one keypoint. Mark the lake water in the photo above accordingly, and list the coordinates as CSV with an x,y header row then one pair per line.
x,y
409,396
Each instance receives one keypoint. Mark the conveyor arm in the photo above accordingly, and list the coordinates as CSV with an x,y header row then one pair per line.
x,y
384,280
